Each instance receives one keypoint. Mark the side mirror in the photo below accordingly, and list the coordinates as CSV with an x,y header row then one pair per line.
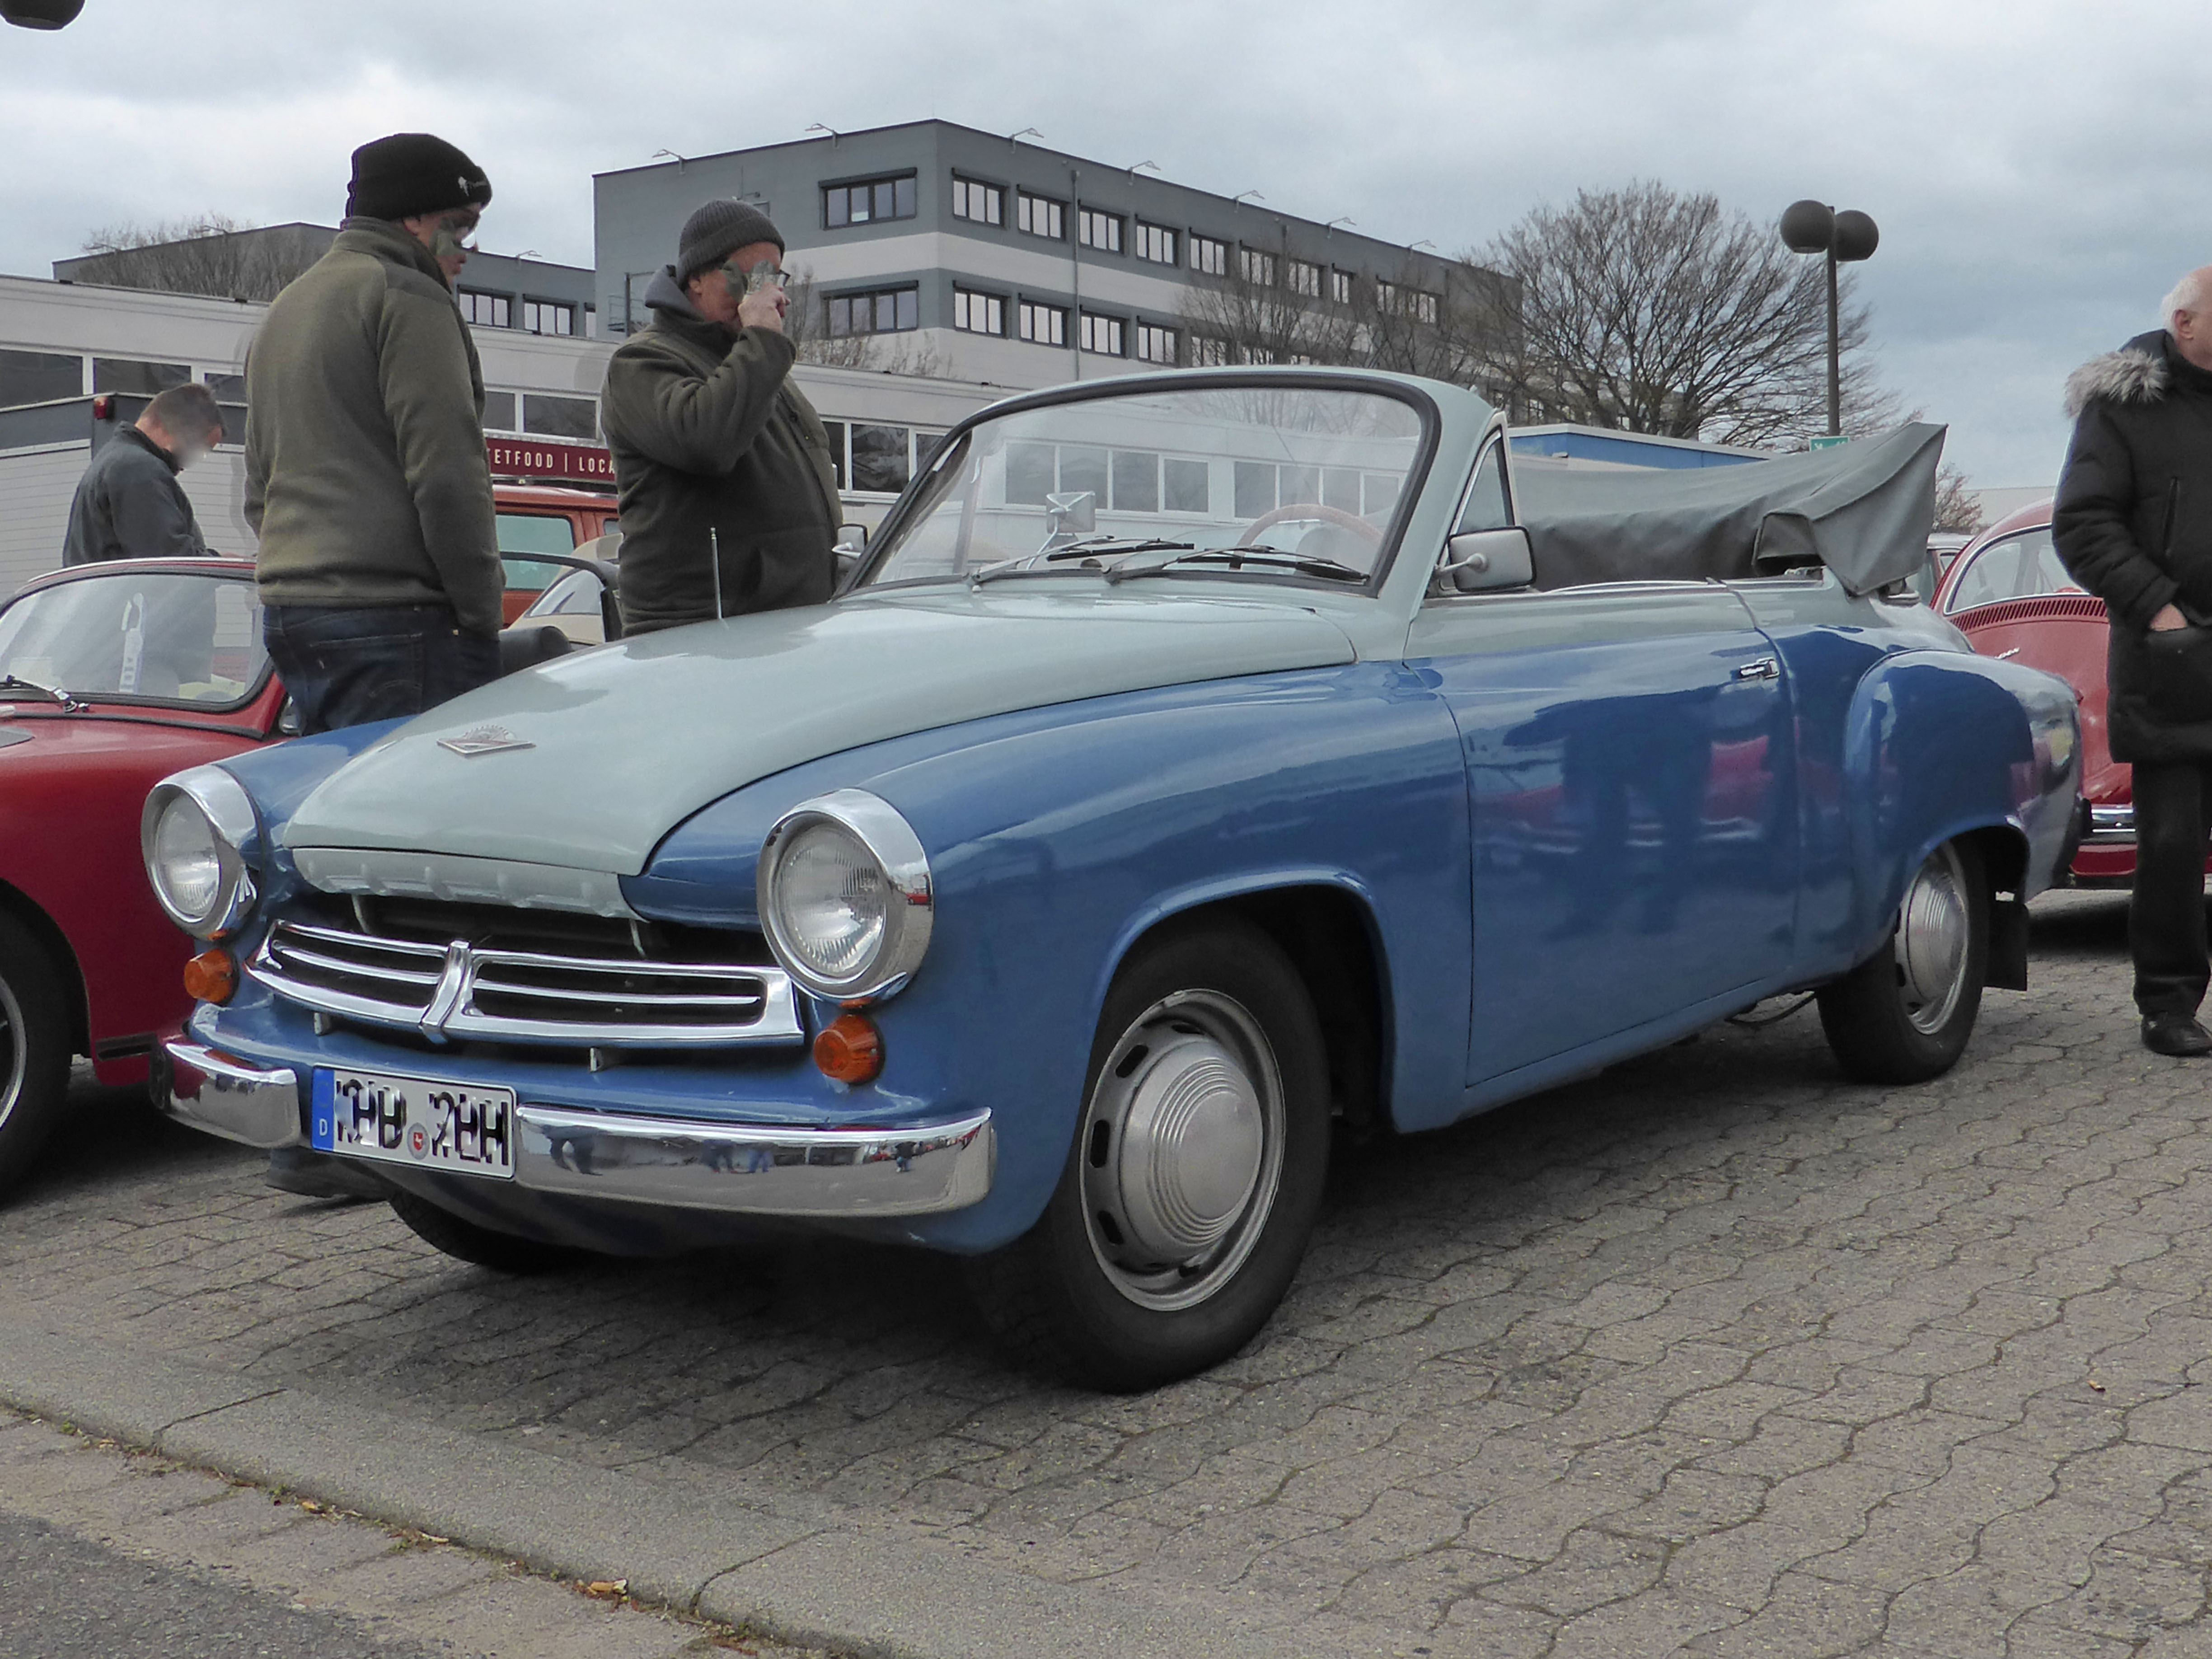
x,y
852,539
1072,509
1482,561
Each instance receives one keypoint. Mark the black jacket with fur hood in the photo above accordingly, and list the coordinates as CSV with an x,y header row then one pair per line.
x,y
2133,525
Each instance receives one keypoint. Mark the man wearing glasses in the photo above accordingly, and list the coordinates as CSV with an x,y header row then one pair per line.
x,y
366,479
729,499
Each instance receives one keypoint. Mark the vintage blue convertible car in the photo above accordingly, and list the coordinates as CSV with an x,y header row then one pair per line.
x,y
1195,764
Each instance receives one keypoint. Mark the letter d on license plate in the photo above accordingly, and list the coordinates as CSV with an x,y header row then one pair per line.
x,y
460,1129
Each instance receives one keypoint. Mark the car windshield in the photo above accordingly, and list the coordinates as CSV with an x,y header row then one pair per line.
x,y
138,636
2023,567
1313,472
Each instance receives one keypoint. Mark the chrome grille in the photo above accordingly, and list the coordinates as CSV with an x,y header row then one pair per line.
x,y
464,991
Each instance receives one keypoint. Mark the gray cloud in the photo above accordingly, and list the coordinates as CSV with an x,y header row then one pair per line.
x,y
2032,166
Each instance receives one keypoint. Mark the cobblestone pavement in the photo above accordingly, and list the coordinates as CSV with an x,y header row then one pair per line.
x,y
1714,1352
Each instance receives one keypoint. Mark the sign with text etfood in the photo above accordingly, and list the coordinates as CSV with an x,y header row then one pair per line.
x,y
548,457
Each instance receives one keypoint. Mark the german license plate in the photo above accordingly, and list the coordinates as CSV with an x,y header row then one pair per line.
x,y
462,1128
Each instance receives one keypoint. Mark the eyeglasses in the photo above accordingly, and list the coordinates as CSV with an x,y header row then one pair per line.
x,y
757,277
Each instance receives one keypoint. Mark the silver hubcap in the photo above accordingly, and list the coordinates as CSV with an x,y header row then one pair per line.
x,y
1182,1150
14,1051
1931,941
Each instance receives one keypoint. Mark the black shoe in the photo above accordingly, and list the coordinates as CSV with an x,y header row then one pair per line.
x,y
317,1175
2177,1034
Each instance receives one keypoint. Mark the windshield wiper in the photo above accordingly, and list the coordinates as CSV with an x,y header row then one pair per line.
x,y
1089,547
17,682
1236,558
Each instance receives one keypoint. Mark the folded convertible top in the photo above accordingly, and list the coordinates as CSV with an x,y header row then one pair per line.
x,y
1864,509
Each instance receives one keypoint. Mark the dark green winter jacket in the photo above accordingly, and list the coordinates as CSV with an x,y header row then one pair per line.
x,y
365,471
708,433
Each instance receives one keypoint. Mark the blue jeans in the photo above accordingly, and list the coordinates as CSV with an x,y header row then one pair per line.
x,y
347,667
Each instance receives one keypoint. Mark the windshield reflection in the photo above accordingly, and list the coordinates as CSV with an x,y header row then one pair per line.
x,y
1315,474
138,636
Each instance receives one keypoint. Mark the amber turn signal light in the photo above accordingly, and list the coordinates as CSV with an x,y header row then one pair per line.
x,y
211,976
849,1049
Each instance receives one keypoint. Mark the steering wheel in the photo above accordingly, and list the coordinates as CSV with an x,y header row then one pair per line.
x,y
1336,515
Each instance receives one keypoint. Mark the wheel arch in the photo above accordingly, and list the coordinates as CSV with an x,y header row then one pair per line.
x,y
41,926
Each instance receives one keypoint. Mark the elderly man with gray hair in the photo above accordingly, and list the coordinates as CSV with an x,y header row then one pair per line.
x,y
2134,526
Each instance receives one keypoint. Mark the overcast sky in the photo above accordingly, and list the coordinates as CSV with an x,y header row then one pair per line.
x,y
2036,169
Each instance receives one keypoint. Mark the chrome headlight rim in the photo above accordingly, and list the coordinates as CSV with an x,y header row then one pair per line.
x,y
885,835
235,828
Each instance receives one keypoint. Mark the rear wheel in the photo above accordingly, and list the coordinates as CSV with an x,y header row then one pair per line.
x,y
1904,1015
1194,1177
34,1049
481,1246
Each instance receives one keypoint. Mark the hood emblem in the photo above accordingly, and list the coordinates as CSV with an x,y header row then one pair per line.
x,y
484,740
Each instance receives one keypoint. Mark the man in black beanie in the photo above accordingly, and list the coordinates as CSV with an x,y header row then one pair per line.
x,y
366,479
713,446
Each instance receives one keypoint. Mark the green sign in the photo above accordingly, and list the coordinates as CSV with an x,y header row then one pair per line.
x,y
1825,442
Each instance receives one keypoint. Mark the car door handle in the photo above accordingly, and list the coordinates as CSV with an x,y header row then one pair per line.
x,y
1764,668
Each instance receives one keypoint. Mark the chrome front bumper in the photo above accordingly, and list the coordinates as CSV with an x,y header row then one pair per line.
x,y
736,1168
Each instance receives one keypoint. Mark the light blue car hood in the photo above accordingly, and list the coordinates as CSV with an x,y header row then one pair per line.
x,y
627,740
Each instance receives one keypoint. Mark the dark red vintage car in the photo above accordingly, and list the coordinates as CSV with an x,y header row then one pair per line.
x,y
111,678
2009,595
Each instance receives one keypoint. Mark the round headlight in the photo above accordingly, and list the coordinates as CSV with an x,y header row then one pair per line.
x,y
187,862
845,896
195,834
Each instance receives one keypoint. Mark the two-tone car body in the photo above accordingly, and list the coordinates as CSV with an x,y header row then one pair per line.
x,y
1197,763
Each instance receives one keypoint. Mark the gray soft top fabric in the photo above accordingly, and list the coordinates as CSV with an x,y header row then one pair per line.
x,y
1864,509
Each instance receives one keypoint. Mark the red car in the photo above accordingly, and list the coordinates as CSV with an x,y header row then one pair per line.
x,y
112,676
2012,598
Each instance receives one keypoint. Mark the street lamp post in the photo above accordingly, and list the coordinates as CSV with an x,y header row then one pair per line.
x,y
1844,238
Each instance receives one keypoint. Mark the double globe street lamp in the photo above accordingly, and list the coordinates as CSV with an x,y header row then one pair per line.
x,y
1847,237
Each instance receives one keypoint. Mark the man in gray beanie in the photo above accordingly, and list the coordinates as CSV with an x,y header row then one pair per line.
x,y
714,448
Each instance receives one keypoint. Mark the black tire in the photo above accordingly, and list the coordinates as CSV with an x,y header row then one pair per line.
x,y
1880,1019
34,1049
1077,1295
481,1246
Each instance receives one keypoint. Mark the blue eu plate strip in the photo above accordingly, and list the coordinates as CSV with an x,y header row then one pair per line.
x,y
319,1116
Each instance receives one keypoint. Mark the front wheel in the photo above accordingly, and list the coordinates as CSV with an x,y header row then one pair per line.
x,y
1196,1175
1904,1015
34,1049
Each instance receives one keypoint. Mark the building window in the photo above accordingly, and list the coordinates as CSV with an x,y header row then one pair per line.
x,y
1156,243
1339,287
1417,303
978,313
1045,324
129,375
890,312
228,388
1155,345
484,310
1304,279
1256,267
1099,230
1206,352
560,417
1039,215
544,317
499,411
866,203
985,204
591,322
1207,256
1102,335
39,377
881,459
1425,306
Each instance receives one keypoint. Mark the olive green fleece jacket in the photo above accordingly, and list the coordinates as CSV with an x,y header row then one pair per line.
x,y
365,471
708,433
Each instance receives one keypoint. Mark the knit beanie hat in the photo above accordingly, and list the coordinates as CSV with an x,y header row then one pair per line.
x,y
718,230
411,173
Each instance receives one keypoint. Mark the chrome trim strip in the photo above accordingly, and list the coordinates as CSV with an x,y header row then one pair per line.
x,y
211,1091
756,1169
366,941
462,878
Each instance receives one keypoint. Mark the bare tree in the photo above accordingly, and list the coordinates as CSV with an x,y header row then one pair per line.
x,y
1957,507
806,325
1649,311
212,254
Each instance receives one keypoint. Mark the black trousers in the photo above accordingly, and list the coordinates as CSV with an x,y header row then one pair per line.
x,y
2166,918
